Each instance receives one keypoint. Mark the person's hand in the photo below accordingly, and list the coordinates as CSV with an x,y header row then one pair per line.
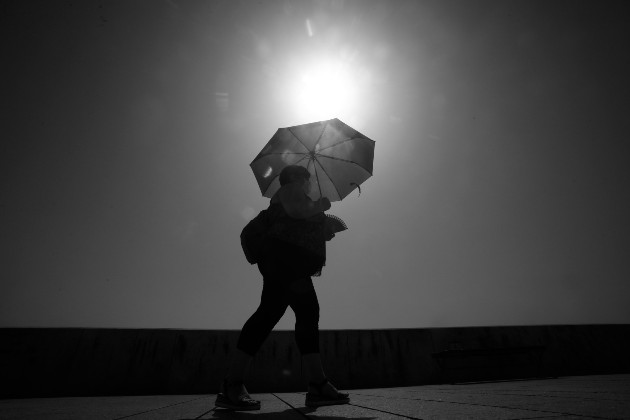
x,y
325,203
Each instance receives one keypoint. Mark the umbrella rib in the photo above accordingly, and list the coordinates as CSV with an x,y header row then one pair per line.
x,y
319,186
321,133
331,180
303,157
286,153
297,138
342,142
342,160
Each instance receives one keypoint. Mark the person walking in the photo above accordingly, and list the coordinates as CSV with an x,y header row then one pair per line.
x,y
295,251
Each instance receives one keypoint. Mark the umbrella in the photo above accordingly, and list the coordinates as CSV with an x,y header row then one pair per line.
x,y
338,157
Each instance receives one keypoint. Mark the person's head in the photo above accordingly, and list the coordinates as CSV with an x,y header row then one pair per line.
x,y
293,173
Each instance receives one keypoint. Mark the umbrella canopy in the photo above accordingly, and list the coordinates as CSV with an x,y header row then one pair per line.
x,y
338,157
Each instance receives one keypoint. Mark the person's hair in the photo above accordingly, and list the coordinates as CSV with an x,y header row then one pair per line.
x,y
290,173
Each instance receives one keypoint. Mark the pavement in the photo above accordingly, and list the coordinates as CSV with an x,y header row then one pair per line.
x,y
564,398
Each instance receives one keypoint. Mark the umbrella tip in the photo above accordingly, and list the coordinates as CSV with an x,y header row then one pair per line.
x,y
358,187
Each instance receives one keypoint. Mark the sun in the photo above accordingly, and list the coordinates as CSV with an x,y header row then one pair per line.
x,y
324,89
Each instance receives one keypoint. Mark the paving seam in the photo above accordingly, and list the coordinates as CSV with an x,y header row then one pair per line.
x,y
159,408
295,409
557,413
386,412
203,414
355,405
548,396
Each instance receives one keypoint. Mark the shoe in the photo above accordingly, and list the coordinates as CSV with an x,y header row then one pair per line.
x,y
321,398
235,397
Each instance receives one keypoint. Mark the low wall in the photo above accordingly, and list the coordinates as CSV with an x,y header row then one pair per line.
x,y
80,362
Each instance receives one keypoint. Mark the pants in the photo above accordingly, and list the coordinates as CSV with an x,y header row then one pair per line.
x,y
287,282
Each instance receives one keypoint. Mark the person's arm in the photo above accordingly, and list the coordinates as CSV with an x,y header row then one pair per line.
x,y
298,205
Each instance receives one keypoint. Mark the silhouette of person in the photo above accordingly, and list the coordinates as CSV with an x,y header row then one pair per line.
x,y
295,251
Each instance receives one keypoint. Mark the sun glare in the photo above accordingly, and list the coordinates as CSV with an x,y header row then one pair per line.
x,y
325,90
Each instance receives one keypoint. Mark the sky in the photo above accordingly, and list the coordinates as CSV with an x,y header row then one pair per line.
x,y
500,187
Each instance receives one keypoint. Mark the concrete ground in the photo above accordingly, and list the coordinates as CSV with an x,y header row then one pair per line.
x,y
583,397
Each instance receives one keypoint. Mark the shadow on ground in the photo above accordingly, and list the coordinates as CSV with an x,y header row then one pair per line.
x,y
286,415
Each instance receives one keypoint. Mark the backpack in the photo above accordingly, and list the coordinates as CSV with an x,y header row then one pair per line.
x,y
253,236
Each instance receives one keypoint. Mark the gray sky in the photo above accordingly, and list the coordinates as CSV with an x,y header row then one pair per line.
x,y
500,190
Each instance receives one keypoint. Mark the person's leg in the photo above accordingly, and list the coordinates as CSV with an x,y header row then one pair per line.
x,y
239,367
303,301
272,306
313,367
256,330
306,307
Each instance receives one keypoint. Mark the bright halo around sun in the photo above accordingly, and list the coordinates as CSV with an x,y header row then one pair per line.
x,y
325,89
